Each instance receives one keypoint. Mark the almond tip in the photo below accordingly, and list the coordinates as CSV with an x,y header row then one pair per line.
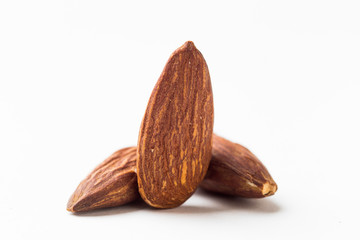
x,y
70,209
189,45
269,189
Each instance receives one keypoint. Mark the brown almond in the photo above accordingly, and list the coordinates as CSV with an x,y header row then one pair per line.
x,y
174,145
112,183
235,171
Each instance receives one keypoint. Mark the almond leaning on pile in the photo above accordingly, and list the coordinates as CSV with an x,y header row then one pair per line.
x,y
176,149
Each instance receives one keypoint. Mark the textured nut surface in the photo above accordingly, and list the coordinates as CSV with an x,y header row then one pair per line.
x,y
234,170
174,145
112,183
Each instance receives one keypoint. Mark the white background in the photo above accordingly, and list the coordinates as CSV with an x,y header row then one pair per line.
x,y
75,78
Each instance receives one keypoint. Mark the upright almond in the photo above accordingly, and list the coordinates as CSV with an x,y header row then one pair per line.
x,y
174,145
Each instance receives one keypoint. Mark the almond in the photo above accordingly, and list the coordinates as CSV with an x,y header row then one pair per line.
x,y
235,171
174,145
112,183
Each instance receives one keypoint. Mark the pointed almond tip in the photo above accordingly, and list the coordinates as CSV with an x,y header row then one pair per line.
x,y
75,208
269,189
70,209
189,45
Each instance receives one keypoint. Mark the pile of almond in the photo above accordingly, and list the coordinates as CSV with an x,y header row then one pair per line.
x,y
177,151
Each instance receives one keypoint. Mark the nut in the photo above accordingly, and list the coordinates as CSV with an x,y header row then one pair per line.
x,y
235,171
174,145
112,183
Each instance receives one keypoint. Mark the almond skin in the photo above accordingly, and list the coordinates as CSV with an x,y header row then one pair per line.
x,y
235,171
174,145
112,183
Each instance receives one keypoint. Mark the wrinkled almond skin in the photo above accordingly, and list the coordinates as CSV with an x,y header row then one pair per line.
x,y
235,171
232,167
174,145
112,183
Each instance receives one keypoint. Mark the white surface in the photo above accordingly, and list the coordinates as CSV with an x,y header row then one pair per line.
x,y
75,77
